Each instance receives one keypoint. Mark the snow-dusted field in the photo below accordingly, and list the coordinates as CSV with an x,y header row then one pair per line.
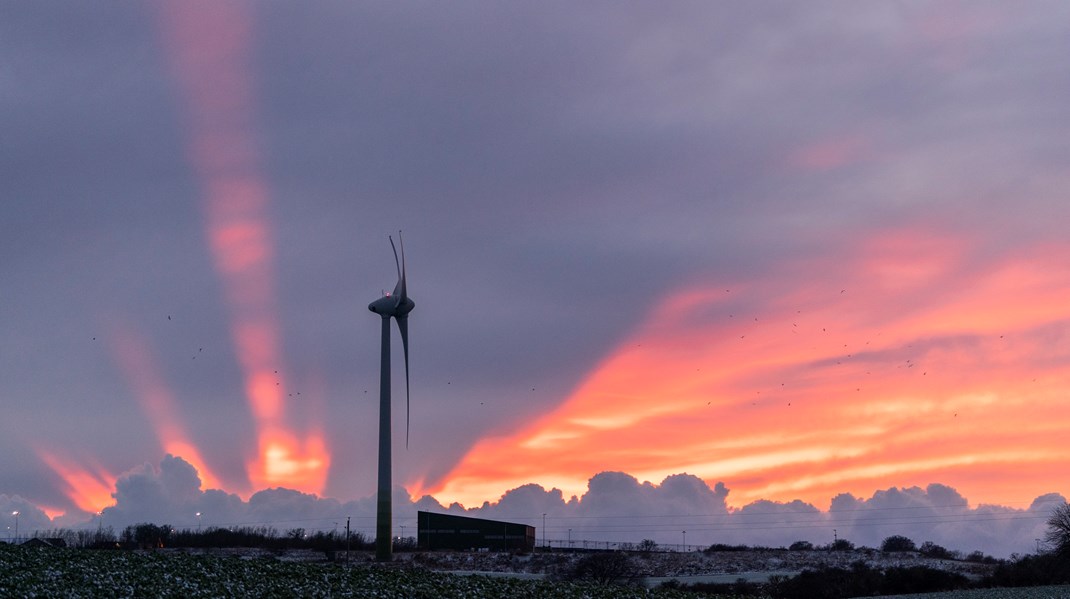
x,y
76,573
694,566
251,572
1058,592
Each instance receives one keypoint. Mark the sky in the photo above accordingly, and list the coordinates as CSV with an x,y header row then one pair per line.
x,y
720,258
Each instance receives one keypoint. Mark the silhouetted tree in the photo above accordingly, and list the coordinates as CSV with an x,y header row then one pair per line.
x,y
841,545
405,544
832,583
146,536
862,580
920,579
898,543
1058,533
296,537
801,546
930,549
980,558
719,547
603,568
1029,570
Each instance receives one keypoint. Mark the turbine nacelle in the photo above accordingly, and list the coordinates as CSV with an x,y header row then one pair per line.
x,y
389,306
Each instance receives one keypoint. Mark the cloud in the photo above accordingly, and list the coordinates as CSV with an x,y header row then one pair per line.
x,y
153,494
616,508
940,514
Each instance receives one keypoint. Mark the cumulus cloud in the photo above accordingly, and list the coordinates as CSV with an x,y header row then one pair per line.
x,y
940,514
616,508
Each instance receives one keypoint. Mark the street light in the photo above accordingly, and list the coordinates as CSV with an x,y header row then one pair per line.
x,y
570,537
684,532
544,530
198,514
16,515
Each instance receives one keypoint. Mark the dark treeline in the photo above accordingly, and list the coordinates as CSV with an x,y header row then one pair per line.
x,y
156,536
151,536
861,580
891,544
82,538
858,580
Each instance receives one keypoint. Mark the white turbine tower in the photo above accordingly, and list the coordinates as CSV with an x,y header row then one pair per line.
x,y
395,305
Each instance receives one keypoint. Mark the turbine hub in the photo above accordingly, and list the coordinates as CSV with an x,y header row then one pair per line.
x,y
392,306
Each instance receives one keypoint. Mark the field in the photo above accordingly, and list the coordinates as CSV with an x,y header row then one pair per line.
x,y
86,573
83,573
1059,592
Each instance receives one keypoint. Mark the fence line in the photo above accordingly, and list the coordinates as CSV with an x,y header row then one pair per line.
x,y
588,545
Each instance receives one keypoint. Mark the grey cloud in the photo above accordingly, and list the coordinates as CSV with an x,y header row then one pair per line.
x,y
939,514
154,494
617,507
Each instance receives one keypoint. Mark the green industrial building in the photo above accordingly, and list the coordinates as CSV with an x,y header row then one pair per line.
x,y
461,533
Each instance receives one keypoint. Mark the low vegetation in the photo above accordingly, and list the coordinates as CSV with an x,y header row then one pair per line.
x,y
860,580
1060,592
133,567
84,573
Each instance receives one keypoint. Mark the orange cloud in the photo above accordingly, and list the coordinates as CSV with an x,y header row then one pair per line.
x,y
901,361
52,512
284,461
210,46
88,488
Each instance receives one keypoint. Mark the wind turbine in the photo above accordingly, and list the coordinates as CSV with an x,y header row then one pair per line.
x,y
395,305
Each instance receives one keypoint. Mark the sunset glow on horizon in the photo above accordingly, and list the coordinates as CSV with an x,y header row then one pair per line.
x,y
88,487
919,366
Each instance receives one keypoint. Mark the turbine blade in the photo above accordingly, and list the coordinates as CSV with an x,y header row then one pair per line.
x,y
404,292
400,287
403,326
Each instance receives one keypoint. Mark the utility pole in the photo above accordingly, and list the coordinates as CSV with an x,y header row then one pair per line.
x,y
347,539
